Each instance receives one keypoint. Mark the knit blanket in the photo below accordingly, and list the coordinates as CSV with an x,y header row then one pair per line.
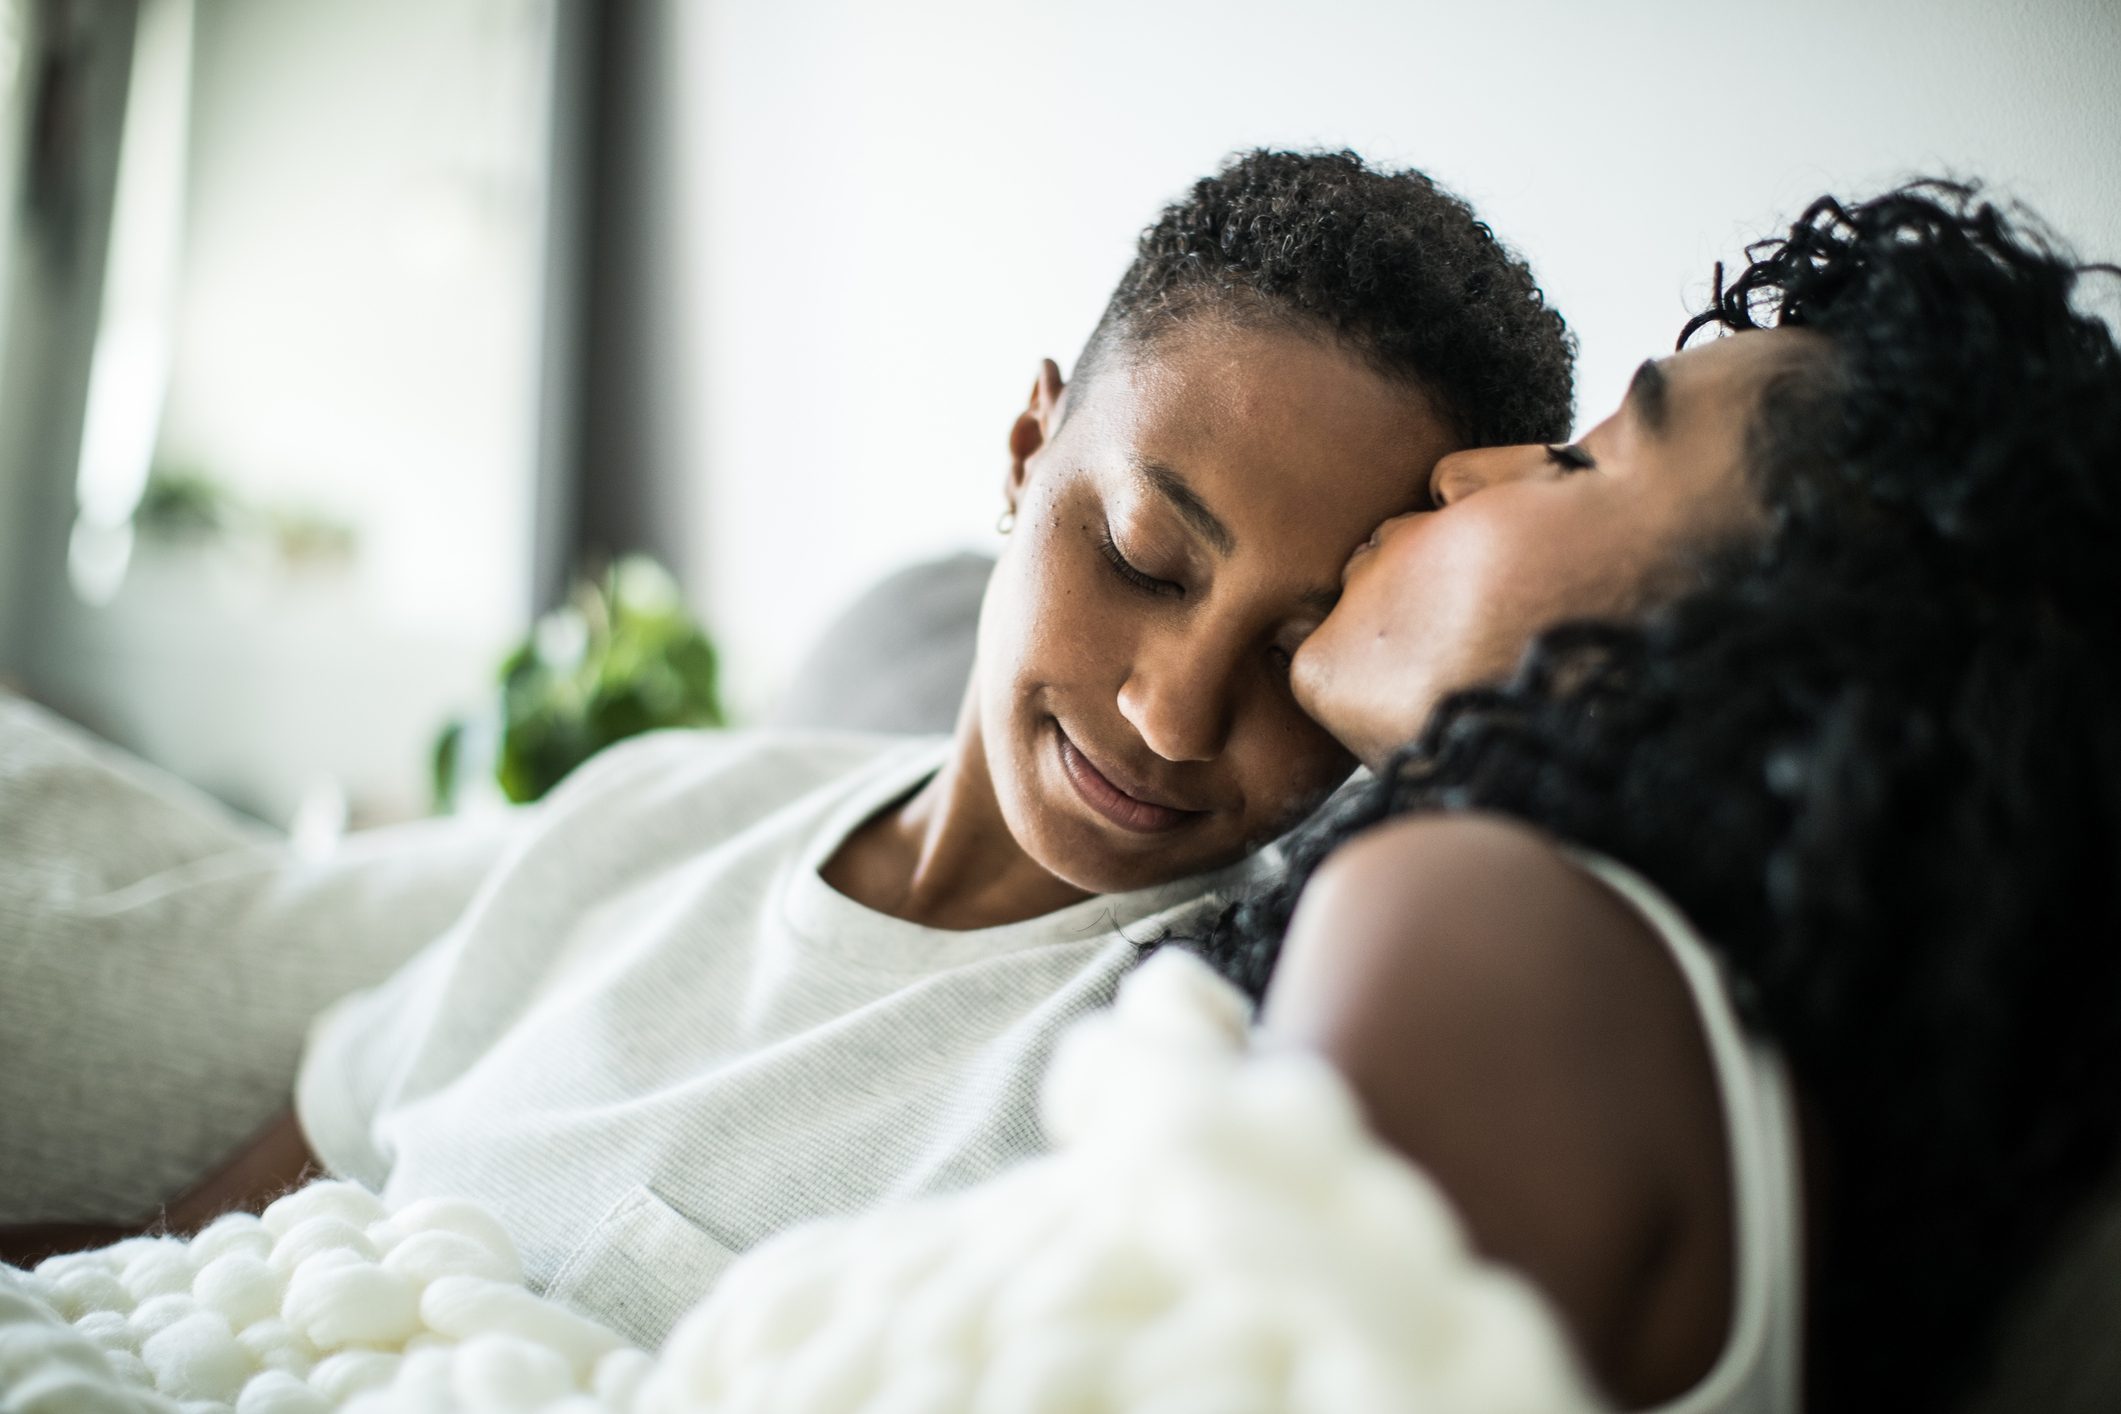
x,y
1215,1233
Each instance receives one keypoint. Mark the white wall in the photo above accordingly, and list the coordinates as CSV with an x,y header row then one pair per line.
x,y
897,209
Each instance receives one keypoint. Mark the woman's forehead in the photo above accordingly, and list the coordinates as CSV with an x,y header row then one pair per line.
x,y
1726,372
1265,422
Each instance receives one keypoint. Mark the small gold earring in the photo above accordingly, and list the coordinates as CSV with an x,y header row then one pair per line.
x,y
1007,521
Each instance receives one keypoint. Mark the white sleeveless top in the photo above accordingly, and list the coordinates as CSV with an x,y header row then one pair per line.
x,y
1760,1369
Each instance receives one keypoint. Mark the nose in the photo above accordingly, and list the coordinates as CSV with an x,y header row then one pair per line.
x,y
1461,474
1181,698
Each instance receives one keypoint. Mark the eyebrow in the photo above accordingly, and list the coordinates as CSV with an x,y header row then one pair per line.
x,y
1651,394
1173,488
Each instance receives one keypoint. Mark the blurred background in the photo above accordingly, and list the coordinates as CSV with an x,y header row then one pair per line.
x,y
337,336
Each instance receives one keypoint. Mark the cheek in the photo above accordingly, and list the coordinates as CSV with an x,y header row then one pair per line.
x,y
1444,604
1411,605
1473,590
1001,623
1044,621
1286,763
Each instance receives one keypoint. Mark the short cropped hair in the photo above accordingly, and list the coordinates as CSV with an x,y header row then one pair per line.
x,y
1387,264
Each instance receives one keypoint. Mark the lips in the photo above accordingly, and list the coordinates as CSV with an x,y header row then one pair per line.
x,y
1376,540
1120,806
1347,569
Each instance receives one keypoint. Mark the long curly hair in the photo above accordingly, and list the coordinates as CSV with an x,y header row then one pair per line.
x,y
1875,755
1388,263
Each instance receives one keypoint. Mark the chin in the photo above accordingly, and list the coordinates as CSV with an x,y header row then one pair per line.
x,y
1078,854
1378,737
1369,713
1313,682
1369,736
1071,843
1320,681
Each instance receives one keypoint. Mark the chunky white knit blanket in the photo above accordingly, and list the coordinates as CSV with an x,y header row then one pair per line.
x,y
1216,1233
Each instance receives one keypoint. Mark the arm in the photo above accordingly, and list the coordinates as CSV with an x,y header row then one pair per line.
x,y
160,963
269,1163
1516,1030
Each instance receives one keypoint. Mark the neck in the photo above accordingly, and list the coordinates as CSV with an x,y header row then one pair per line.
x,y
944,857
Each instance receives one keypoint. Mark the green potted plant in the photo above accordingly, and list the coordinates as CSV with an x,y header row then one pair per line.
x,y
621,657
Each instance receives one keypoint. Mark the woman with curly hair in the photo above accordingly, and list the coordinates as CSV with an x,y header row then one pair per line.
x,y
1744,964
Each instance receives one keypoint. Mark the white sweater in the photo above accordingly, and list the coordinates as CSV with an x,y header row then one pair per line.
x,y
656,1036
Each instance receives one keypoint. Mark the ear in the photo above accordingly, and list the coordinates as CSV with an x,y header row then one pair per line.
x,y
1034,428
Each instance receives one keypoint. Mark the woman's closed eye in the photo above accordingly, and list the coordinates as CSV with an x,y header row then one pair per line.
x,y
1124,568
1570,456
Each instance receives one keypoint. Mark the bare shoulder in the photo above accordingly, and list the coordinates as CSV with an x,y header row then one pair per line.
x,y
1521,1032
1474,901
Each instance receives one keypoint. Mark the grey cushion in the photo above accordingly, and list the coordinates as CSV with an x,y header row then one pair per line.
x,y
160,960
898,659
